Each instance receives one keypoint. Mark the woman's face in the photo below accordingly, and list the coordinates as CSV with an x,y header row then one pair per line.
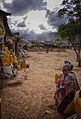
x,y
65,69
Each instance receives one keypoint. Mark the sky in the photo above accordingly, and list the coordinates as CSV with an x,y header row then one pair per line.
x,y
32,16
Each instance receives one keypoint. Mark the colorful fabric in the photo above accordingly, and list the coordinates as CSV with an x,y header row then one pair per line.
x,y
66,84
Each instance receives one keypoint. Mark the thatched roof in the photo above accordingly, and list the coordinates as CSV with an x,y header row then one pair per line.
x,y
4,15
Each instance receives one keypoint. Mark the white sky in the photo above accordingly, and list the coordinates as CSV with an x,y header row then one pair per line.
x,y
36,18
8,1
51,4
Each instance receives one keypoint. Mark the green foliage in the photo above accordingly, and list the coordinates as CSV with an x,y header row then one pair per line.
x,y
72,8
72,29
62,31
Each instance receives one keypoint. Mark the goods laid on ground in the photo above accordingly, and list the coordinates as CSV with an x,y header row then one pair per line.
x,y
7,62
14,59
14,70
22,64
77,105
7,70
19,66
6,59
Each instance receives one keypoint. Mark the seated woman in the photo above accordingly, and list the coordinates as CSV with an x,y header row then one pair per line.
x,y
66,87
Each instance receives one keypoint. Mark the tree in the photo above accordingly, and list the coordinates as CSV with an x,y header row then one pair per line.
x,y
72,30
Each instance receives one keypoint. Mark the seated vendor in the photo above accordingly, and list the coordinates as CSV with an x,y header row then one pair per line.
x,y
66,87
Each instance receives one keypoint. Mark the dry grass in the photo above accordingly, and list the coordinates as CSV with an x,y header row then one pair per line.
x,y
34,98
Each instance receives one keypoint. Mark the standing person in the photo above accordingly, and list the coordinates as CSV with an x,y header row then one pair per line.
x,y
66,87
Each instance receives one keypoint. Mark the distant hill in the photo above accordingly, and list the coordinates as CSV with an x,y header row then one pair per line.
x,y
46,36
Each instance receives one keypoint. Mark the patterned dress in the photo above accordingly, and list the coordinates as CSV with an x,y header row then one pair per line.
x,y
66,84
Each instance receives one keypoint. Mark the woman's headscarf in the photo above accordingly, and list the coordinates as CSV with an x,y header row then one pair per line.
x,y
67,66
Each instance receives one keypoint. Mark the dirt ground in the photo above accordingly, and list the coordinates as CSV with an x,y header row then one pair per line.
x,y
33,98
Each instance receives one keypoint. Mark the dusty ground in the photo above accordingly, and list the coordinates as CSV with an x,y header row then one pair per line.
x,y
33,99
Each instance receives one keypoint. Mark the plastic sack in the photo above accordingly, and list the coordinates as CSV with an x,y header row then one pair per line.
x,y
6,59
14,59
6,49
23,64
70,108
77,105
11,58
7,70
19,66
